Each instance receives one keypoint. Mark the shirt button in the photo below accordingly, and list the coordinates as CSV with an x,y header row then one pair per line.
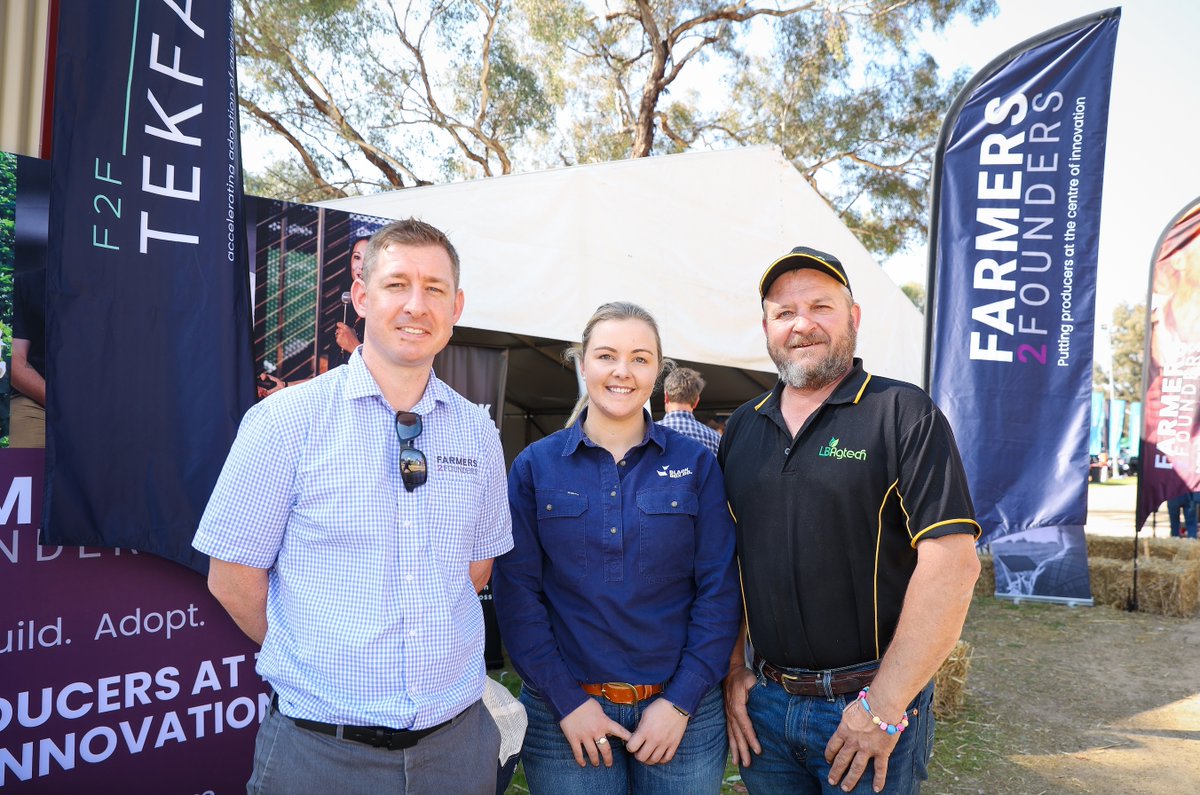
x,y
613,531
549,507
787,450
412,634
408,578
621,462
674,504
612,494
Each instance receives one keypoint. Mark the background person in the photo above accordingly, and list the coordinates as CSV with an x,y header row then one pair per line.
x,y
855,535
619,601
1181,512
681,394
361,584
27,378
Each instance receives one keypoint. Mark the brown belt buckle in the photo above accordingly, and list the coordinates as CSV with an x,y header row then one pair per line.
x,y
633,691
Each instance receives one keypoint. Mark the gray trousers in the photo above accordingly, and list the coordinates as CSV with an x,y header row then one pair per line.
x,y
460,758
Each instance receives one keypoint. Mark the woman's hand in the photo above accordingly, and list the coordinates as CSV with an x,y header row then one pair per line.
x,y
587,730
658,733
345,337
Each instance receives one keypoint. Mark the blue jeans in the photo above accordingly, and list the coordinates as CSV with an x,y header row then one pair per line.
x,y
697,767
1184,506
793,732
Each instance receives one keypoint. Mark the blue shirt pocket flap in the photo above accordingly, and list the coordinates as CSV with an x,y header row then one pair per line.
x,y
668,501
553,503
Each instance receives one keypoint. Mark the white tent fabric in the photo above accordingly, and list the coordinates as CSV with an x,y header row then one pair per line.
x,y
686,236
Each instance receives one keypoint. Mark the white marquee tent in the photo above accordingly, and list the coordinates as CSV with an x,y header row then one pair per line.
x,y
687,236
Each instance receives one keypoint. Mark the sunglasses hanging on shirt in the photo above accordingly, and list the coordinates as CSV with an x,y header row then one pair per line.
x,y
413,469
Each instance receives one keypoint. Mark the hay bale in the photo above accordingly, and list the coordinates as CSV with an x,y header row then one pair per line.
x,y
1116,548
986,584
1165,587
1110,547
950,682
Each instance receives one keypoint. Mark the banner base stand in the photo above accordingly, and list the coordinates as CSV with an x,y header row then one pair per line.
x,y
1016,599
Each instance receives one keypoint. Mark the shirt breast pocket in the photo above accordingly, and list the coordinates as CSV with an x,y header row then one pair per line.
x,y
562,521
667,535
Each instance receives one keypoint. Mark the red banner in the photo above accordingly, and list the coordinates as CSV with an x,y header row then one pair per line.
x,y
1170,450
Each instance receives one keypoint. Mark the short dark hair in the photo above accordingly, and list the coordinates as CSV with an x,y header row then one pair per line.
x,y
409,232
683,385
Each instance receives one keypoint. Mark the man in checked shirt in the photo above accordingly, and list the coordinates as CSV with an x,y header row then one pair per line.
x,y
360,582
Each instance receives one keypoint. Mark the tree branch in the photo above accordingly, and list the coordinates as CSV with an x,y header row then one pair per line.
x,y
275,125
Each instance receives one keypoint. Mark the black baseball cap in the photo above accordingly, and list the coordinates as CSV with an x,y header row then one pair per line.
x,y
802,257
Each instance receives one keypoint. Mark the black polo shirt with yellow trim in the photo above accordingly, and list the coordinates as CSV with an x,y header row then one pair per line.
x,y
828,522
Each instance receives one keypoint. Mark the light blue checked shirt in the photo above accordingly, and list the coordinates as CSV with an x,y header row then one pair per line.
x,y
371,615
683,422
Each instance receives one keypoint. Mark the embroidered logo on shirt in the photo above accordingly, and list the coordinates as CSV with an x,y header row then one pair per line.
x,y
456,463
832,450
666,471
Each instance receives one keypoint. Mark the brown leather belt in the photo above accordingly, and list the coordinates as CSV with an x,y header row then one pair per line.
x,y
621,692
814,684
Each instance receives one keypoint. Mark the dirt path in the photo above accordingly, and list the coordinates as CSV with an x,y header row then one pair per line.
x,y
1084,700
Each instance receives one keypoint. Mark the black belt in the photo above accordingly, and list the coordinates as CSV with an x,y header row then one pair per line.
x,y
814,683
374,736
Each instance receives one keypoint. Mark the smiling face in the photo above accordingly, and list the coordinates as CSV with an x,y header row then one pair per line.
x,y
811,325
410,304
620,366
356,258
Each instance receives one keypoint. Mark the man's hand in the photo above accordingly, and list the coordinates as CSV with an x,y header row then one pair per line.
x,y
658,733
742,739
856,742
584,727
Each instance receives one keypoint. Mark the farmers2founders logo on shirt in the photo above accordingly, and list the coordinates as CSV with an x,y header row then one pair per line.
x,y
456,463
832,450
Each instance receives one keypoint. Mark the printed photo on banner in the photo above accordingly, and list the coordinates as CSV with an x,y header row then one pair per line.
x,y
24,199
304,260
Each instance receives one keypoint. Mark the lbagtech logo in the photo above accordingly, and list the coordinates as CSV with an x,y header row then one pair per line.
x,y
832,450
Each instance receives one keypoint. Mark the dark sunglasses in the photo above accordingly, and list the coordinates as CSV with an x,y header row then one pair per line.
x,y
413,470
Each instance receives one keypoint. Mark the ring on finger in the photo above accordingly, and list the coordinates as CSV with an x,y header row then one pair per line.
x,y
601,740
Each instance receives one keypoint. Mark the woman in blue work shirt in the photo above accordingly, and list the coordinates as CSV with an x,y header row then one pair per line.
x,y
619,604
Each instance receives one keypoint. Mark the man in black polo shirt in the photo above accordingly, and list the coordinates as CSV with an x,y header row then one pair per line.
x,y
855,534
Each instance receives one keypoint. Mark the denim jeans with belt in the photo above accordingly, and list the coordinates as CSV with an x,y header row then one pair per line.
x,y
793,732
697,767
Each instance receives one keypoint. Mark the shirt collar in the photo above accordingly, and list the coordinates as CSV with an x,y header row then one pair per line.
x,y
849,390
575,437
360,383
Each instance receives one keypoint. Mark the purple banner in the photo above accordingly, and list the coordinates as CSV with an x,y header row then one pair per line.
x,y
118,671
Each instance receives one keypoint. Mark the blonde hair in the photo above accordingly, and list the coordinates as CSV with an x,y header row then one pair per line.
x,y
614,310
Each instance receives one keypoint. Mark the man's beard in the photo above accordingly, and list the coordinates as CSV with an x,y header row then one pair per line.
x,y
818,374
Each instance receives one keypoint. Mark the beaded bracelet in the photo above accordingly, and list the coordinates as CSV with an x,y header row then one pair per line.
x,y
890,728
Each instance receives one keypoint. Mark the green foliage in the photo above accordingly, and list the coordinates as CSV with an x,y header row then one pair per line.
x,y
916,294
8,203
383,93
1128,334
